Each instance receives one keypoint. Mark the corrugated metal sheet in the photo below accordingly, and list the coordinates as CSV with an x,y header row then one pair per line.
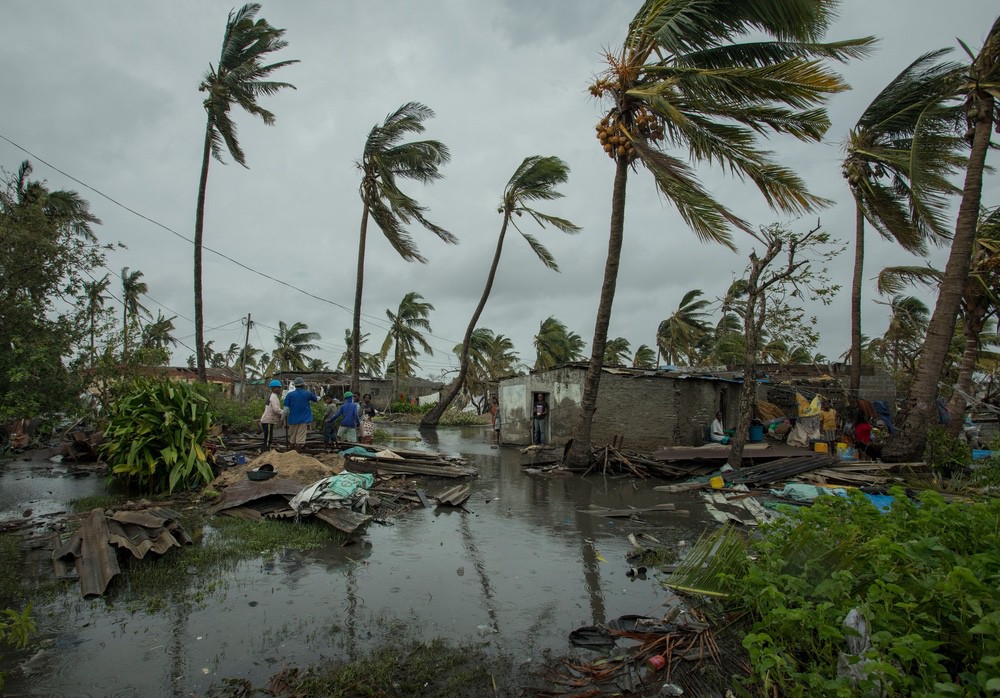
x,y
95,560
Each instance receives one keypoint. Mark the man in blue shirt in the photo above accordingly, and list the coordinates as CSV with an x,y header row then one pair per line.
x,y
299,412
349,416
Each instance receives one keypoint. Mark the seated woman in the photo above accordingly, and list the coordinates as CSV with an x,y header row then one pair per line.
x,y
717,433
863,439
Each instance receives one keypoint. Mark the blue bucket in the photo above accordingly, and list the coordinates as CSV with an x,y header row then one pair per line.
x,y
756,433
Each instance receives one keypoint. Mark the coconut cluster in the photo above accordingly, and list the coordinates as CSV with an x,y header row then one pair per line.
x,y
614,135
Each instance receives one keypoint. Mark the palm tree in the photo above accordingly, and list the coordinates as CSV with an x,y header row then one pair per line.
x,y
617,352
678,335
980,303
385,160
979,90
291,344
317,365
899,157
370,363
132,288
644,357
554,344
535,179
63,207
239,78
157,337
247,359
404,337
94,299
158,334
681,80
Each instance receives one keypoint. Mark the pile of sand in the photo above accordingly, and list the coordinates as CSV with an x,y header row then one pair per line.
x,y
292,465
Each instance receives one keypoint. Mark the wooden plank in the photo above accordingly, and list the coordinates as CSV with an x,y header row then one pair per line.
x,y
423,498
624,513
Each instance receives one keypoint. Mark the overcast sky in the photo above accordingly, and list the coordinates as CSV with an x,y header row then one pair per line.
x,y
107,92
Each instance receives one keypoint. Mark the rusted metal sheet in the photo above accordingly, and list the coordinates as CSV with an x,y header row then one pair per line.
x,y
245,491
95,560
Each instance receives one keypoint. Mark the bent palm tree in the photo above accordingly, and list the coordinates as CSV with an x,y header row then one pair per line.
x,y
681,79
980,90
535,179
238,80
384,161
899,157
644,357
678,335
617,352
291,344
555,344
404,337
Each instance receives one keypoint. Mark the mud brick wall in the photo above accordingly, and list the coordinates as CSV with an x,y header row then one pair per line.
x,y
643,412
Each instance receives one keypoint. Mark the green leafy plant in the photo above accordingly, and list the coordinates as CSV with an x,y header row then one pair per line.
x,y
235,415
944,452
924,576
155,436
15,629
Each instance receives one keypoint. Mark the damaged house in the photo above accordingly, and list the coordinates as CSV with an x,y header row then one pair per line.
x,y
646,409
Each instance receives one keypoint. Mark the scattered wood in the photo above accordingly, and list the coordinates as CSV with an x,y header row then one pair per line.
x,y
595,510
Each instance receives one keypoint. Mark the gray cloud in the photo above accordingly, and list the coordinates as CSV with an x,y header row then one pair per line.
x,y
107,92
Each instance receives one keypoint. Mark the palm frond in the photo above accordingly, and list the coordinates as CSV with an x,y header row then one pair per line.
x,y
712,564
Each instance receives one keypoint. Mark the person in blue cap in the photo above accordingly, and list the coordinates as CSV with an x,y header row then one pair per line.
x,y
272,413
300,414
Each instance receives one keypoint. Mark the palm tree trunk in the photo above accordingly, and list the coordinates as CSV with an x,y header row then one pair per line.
x,y
93,350
975,320
199,236
432,418
359,289
395,366
580,453
918,410
856,284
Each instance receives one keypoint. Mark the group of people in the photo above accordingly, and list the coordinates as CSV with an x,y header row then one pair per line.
x,y
539,412
860,434
340,422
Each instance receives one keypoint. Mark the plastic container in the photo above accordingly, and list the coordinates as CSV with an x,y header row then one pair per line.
x,y
717,482
820,447
841,448
657,662
756,433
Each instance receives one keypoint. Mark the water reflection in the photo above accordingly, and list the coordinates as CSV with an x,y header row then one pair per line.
x,y
533,568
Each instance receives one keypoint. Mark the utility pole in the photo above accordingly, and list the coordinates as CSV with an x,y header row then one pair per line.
x,y
243,362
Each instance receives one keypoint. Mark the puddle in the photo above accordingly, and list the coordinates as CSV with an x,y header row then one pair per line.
x,y
520,572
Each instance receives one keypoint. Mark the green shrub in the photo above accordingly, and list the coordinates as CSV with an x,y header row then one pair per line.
x,y
458,418
944,452
155,436
924,576
235,415
407,408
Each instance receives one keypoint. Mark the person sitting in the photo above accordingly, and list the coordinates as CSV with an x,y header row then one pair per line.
x,y
717,433
863,439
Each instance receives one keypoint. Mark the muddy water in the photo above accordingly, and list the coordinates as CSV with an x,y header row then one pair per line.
x,y
520,571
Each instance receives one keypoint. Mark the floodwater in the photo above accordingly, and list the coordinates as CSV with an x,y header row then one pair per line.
x,y
519,571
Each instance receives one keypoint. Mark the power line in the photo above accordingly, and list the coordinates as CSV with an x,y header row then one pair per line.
x,y
372,320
